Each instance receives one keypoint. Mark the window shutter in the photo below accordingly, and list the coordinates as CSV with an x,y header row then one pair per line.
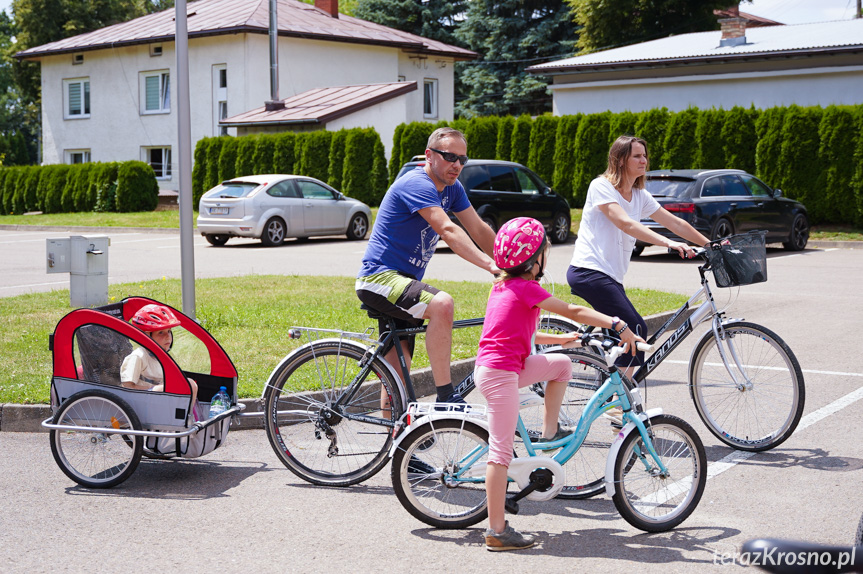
x,y
151,88
75,99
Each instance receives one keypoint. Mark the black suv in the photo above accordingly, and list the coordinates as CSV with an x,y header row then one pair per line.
x,y
502,190
721,202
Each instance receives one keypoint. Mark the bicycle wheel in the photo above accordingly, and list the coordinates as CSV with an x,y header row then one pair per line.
x,y
764,410
318,440
585,471
95,459
649,499
423,473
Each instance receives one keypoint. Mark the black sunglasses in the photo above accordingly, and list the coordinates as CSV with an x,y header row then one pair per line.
x,y
451,157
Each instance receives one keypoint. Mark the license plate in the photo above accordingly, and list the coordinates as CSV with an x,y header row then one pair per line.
x,y
218,211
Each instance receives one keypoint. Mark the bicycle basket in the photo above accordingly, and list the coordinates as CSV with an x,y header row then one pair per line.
x,y
743,261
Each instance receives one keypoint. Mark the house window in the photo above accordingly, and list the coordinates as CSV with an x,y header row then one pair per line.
x,y
220,98
155,50
156,93
429,98
223,113
77,59
159,159
74,156
77,94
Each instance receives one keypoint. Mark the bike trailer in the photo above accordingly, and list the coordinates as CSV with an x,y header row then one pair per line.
x,y
99,428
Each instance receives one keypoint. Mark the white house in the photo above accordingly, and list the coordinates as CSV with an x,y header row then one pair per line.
x,y
107,95
764,66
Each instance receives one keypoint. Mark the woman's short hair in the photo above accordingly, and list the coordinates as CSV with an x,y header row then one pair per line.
x,y
620,151
444,133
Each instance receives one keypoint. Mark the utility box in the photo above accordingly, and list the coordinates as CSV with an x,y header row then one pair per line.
x,y
86,260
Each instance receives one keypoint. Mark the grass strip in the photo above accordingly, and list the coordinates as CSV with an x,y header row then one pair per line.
x,y
250,317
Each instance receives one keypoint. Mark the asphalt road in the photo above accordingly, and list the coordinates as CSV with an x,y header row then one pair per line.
x,y
239,509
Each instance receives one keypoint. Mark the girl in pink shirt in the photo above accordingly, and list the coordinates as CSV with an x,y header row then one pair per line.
x,y
505,364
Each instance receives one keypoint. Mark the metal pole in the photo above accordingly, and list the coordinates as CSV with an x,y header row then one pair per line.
x,y
859,13
184,162
274,51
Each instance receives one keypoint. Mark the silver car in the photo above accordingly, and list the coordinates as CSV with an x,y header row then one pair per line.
x,y
274,207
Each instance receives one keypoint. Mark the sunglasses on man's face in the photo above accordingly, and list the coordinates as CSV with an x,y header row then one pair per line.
x,y
451,157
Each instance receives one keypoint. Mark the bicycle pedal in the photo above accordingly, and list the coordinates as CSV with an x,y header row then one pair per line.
x,y
511,506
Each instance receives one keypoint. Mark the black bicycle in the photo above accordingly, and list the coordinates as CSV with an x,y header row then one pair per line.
x,y
333,406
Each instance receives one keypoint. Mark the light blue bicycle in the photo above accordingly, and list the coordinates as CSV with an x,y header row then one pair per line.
x,y
655,471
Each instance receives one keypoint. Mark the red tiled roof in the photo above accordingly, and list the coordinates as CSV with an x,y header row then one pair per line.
x,y
322,105
215,17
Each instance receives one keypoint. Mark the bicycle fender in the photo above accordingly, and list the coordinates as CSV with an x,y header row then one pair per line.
x,y
618,442
432,419
343,343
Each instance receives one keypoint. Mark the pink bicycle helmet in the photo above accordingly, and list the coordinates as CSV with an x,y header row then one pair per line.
x,y
154,317
518,244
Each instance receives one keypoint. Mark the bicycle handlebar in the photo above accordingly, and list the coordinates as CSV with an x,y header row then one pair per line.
x,y
608,346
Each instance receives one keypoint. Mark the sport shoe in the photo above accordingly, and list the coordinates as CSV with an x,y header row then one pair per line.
x,y
615,416
454,398
509,539
417,466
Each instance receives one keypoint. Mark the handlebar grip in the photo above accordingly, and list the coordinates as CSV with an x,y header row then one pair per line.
x,y
643,347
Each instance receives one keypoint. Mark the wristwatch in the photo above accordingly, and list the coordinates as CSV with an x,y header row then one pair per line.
x,y
614,322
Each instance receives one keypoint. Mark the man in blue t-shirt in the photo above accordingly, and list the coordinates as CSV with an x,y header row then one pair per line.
x,y
411,219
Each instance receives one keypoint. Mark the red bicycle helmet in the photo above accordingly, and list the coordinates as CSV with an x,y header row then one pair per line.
x,y
154,317
518,244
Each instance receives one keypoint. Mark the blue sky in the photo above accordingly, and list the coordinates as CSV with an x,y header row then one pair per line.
x,y
785,11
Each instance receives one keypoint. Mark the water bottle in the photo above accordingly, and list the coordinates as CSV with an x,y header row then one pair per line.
x,y
220,403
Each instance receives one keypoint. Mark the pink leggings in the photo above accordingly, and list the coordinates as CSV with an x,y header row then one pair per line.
x,y
500,388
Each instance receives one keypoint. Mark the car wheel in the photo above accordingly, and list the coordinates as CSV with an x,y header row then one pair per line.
x,y
722,228
488,220
274,232
217,240
560,228
358,227
637,250
799,236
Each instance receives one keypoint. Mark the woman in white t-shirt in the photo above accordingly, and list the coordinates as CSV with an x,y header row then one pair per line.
x,y
616,201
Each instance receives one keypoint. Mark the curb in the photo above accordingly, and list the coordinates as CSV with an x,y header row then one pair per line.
x,y
28,418
83,229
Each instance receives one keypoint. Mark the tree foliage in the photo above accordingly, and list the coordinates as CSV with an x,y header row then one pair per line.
x,y
607,24
509,36
433,19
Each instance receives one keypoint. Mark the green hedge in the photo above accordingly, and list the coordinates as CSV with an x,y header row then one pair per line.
x,y
520,141
591,154
59,188
542,145
503,149
481,134
324,155
137,189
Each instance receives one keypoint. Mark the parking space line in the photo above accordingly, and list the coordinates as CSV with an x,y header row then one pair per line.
x,y
728,462
807,371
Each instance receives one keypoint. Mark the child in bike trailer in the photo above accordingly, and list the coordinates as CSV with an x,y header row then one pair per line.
x,y
141,369
504,362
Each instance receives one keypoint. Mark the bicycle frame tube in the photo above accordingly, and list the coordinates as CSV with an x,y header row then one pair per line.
x,y
592,411
702,312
